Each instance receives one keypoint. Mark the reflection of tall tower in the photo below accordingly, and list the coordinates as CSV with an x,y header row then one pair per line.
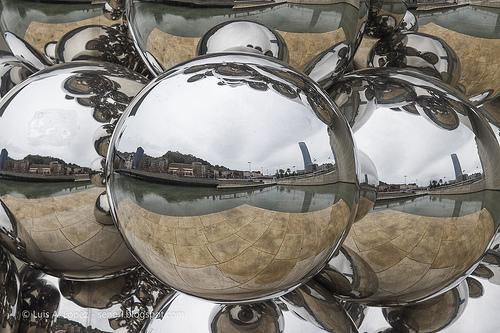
x,y
4,156
457,167
139,154
308,165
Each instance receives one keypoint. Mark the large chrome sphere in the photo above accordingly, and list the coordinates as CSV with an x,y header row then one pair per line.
x,y
243,36
233,177
54,130
10,285
437,208
168,34
124,304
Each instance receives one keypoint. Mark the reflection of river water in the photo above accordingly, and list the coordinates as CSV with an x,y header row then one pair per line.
x,y
440,205
483,22
189,22
191,201
31,190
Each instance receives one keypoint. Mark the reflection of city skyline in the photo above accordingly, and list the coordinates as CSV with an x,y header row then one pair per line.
x,y
36,167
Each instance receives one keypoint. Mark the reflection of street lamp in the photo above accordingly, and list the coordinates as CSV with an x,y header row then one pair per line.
x,y
250,169
294,169
405,180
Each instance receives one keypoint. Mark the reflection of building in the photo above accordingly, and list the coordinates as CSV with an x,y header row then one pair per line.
x,y
4,156
457,167
139,154
181,169
308,164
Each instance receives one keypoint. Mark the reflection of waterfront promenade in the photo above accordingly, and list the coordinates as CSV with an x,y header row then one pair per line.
x,y
43,178
190,181
185,200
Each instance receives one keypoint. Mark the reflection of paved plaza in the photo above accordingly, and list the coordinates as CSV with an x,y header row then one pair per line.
x,y
64,230
239,250
412,254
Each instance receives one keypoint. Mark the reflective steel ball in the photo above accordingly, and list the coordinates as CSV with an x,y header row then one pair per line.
x,y
10,285
253,317
426,53
123,304
48,159
244,36
232,177
12,72
437,161
168,34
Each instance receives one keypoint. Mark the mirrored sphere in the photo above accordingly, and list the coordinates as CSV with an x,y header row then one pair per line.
x,y
466,35
244,36
46,32
428,54
233,177
47,161
432,315
385,17
437,161
168,34
252,317
12,72
10,286
100,43
315,304
122,304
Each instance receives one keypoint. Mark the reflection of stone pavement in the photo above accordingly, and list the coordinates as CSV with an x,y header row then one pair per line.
x,y
171,50
238,250
411,253
39,33
66,233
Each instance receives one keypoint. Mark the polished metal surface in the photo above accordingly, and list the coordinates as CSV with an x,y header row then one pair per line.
x,y
427,142
386,17
121,304
167,33
253,317
100,43
12,72
243,36
269,316
21,49
330,65
10,285
315,304
443,309
53,215
414,50
48,32
459,43
233,212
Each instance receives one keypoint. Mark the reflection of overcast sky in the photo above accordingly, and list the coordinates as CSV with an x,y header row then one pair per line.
x,y
224,125
41,121
418,149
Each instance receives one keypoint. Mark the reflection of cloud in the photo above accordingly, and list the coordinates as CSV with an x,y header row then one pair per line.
x,y
51,127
